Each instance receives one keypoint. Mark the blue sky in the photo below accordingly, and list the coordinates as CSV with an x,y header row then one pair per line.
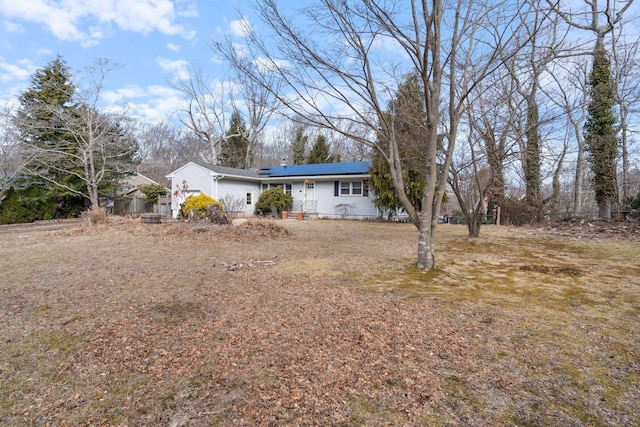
x,y
153,41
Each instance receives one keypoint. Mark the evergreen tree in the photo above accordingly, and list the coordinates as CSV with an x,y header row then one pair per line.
x,y
234,151
72,150
600,133
51,89
321,152
407,113
299,147
26,205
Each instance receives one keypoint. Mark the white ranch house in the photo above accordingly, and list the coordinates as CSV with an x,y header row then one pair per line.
x,y
328,190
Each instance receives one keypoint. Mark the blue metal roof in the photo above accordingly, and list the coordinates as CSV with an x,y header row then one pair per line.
x,y
344,168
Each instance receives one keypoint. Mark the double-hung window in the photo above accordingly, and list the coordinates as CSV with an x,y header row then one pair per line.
x,y
286,187
350,188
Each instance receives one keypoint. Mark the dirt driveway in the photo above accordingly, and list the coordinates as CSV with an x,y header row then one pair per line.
x,y
316,323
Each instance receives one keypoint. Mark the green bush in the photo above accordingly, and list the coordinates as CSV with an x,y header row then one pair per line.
x,y
274,198
26,205
152,192
199,203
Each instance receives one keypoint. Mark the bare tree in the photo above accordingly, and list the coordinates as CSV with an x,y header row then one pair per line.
x,y
526,71
344,63
207,106
211,105
570,95
471,180
97,147
255,103
600,20
163,148
626,74
477,173
589,18
10,158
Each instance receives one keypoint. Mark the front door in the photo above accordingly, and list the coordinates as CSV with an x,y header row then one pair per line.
x,y
309,204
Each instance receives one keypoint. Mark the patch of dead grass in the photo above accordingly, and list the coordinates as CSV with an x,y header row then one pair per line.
x,y
137,324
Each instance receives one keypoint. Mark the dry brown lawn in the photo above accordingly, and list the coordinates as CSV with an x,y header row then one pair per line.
x,y
317,323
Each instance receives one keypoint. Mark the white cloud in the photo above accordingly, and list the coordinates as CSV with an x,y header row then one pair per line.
x,y
161,103
48,53
123,95
11,27
65,18
173,47
190,11
178,68
265,64
18,71
151,104
240,27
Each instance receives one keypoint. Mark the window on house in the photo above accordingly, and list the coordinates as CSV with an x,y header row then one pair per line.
x,y
286,187
249,197
356,188
345,188
349,188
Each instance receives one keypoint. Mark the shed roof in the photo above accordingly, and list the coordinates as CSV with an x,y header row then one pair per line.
x,y
319,169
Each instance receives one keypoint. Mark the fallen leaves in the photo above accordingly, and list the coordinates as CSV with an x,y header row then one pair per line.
x,y
184,324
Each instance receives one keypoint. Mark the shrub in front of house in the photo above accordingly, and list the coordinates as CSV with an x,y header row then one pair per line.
x,y
273,198
199,204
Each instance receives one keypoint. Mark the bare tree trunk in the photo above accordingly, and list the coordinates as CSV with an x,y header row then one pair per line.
x,y
426,257
624,130
578,189
570,94
555,196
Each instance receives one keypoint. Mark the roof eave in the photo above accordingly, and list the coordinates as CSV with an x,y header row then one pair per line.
x,y
316,177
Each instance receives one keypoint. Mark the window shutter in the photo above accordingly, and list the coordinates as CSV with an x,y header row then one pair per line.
x,y
365,188
336,188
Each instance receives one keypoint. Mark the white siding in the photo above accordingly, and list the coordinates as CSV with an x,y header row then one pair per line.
x,y
352,206
238,189
197,180
201,179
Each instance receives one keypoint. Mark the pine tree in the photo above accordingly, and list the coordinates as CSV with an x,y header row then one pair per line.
x,y
407,112
234,151
600,133
51,88
321,152
299,147
76,152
